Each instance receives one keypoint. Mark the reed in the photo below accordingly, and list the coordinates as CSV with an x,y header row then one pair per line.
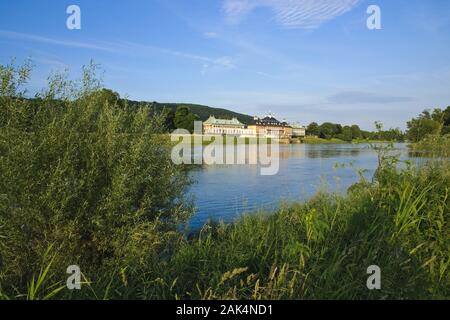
x,y
85,181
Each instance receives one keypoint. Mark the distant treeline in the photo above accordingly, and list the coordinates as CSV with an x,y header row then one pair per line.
x,y
178,115
436,122
182,116
330,130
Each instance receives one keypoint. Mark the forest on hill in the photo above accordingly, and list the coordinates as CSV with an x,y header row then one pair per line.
x,y
203,112
183,115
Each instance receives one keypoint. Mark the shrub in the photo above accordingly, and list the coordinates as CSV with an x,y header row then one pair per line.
x,y
83,174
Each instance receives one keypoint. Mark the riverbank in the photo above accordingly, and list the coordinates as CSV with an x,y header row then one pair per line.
x,y
432,145
318,249
90,186
321,249
205,140
208,139
317,140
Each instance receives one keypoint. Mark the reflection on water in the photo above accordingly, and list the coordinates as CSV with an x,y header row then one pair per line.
x,y
223,192
318,151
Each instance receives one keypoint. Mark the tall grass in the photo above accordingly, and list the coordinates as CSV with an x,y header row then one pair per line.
x,y
85,174
433,145
316,140
77,187
319,249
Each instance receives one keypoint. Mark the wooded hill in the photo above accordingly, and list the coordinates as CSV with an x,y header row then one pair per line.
x,y
203,112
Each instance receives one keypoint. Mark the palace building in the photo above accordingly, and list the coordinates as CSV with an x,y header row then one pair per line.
x,y
271,127
298,131
268,127
214,126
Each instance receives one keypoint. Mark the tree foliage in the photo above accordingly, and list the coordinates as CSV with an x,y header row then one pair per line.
x,y
184,118
313,129
82,174
436,122
330,130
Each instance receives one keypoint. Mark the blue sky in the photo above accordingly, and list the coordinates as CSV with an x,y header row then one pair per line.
x,y
303,60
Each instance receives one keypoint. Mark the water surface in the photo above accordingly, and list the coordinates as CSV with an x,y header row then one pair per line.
x,y
223,192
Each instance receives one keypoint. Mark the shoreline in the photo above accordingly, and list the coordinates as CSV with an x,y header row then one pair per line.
x,y
307,140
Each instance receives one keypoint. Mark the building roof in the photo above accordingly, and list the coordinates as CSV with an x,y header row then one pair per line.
x,y
269,121
297,126
224,122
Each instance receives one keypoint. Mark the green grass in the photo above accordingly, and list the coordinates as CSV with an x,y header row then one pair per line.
x,y
319,249
91,184
432,145
315,140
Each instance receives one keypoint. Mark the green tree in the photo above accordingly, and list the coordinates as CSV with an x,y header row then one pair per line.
x,y
109,96
313,129
427,123
347,134
356,132
184,118
437,115
83,175
329,130
446,116
446,121
169,115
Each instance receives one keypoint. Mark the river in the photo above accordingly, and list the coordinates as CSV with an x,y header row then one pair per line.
x,y
224,192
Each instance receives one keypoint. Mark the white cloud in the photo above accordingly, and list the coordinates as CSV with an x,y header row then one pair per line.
x,y
305,14
35,38
236,9
219,64
210,35
224,62
210,63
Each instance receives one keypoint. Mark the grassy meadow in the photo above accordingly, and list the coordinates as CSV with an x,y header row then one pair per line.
x,y
317,140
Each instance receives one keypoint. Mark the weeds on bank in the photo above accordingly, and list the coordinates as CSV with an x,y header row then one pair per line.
x,y
87,181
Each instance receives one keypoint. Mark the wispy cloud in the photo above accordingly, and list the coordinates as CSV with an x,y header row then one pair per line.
x,y
52,63
210,35
130,48
306,14
36,38
360,97
224,62
219,64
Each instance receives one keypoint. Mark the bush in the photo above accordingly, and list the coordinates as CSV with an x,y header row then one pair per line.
x,y
86,181
84,175
321,249
432,146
